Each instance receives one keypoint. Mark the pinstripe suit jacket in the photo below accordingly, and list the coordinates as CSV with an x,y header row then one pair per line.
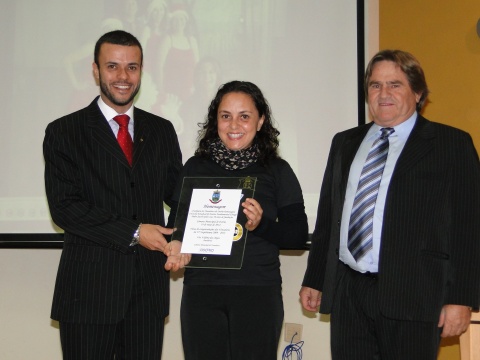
x,y
430,243
99,200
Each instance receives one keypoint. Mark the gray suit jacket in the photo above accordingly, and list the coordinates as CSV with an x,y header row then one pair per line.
x,y
99,200
430,244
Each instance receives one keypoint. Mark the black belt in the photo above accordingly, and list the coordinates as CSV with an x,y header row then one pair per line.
x,y
372,275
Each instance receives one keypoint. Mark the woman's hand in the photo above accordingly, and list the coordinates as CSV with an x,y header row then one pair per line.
x,y
175,259
254,212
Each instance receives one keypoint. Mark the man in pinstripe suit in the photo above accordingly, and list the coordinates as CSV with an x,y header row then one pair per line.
x,y
112,290
419,277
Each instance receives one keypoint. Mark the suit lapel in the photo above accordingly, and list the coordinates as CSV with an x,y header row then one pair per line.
x,y
102,133
348,150
418,144
141,135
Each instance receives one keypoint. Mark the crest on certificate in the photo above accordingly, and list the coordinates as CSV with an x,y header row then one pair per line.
x,y
215,197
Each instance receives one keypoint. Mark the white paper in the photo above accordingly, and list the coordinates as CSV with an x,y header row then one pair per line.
x,y
211,221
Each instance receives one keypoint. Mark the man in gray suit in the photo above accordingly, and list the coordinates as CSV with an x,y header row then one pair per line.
x,y
395,255
112,290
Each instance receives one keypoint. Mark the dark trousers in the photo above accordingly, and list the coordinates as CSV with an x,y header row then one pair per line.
x,y
231,322
138,336
359,331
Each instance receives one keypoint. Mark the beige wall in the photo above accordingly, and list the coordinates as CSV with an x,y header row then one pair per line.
x,y
442,35
27,278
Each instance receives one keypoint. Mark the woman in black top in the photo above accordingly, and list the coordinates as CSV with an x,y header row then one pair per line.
x,y
238,314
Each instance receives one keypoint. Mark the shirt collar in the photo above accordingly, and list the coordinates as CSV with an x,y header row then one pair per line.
x,y
402,130
109,113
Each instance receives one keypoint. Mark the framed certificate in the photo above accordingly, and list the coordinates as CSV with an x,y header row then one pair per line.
x,y
210,221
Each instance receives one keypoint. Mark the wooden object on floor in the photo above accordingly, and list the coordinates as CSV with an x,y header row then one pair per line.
x,y
470,340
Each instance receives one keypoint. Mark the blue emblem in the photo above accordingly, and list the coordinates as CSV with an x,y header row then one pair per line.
x,y
216,197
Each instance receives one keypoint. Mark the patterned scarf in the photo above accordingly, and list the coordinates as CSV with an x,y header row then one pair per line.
x,y
230,159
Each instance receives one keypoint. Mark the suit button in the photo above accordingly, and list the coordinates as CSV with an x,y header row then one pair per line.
x,y
134,217
132,184
336,251
338,222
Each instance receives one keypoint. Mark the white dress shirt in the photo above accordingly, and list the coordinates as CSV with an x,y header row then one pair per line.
x,y
109,114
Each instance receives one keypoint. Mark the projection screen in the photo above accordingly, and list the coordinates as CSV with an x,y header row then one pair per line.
x,y
301,53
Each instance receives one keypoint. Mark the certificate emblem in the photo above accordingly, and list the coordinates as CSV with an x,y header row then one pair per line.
x,y
237,235
215,197
248,183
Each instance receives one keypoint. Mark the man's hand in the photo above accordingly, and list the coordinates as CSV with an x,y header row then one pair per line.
x,y
454,319
310,298
152,237
175,260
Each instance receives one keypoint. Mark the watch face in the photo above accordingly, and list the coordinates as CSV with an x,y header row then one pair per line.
x,y
136,236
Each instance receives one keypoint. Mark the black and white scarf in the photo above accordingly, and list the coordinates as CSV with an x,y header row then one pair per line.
x,y
230,159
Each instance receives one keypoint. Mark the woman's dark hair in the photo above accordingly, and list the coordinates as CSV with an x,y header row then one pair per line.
x,y
116,37
266,138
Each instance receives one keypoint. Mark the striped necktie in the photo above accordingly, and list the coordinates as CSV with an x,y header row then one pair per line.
x,y
360,239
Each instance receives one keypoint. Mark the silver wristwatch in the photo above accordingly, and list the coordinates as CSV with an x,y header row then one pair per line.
x,y
136,236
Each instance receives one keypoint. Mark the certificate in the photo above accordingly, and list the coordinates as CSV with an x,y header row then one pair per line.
x,y
210,221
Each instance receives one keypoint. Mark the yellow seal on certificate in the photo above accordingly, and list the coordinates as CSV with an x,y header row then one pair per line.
x,y
237,235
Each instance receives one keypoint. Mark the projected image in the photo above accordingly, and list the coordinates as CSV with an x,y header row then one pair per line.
x,y
290,49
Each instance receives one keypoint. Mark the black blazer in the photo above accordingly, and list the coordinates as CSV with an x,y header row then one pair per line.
x,y
99,200
430,250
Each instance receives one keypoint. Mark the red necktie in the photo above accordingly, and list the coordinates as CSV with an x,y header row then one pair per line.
x,y
123,136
